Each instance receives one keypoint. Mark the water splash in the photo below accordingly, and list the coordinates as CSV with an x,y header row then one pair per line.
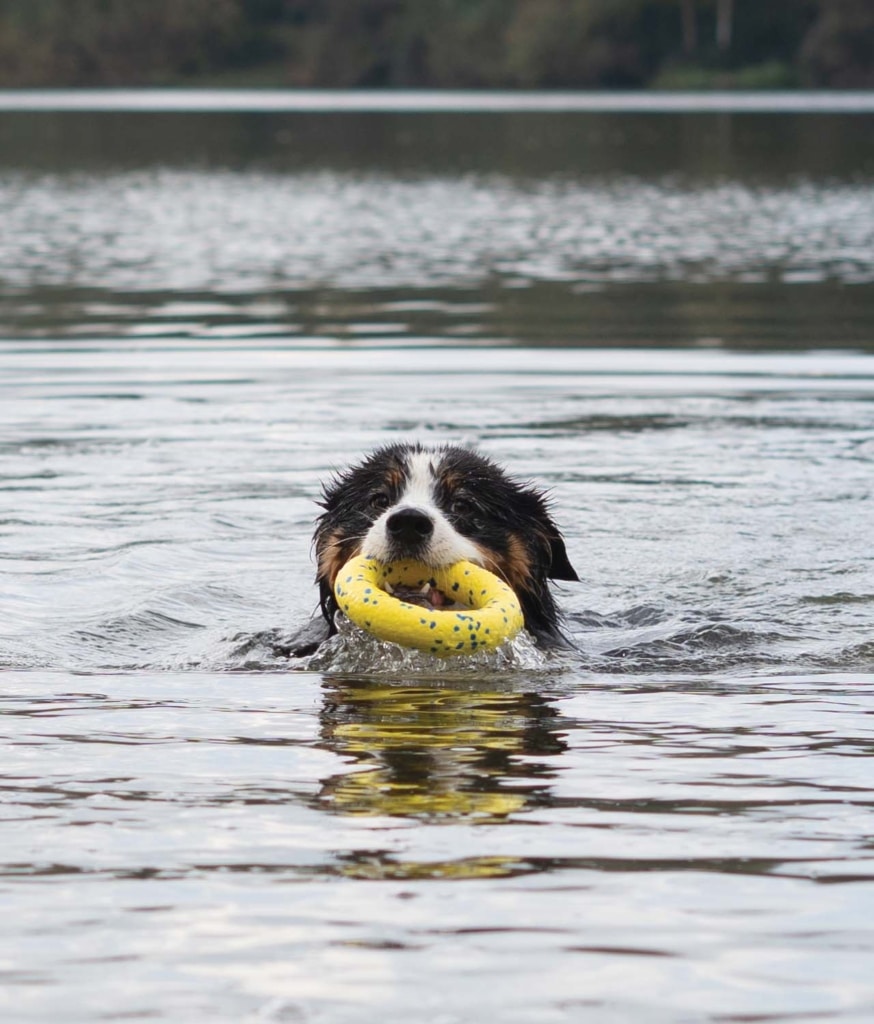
x,y
352,650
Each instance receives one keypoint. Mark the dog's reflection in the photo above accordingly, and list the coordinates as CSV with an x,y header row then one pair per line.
x,y
438,751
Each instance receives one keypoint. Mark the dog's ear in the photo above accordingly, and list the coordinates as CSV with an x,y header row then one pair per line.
x,y
327,604
560,567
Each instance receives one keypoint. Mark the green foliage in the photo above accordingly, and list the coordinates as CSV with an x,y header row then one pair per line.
x,y
576,43
772,74
438,43
839,50
114,42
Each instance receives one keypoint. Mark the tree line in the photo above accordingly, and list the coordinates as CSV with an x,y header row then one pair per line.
x,y
503,44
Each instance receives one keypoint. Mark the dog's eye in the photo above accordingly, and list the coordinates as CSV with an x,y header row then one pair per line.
x,y
379,500
461,507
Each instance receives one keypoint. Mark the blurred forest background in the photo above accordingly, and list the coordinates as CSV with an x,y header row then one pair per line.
x,y
672,44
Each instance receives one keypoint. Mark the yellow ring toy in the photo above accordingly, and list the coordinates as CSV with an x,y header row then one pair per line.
x,y
485,612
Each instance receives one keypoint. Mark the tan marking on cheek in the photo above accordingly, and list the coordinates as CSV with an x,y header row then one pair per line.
x,y
334,552
513,566
517,563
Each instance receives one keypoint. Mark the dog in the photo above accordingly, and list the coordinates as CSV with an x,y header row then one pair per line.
x,y
439,506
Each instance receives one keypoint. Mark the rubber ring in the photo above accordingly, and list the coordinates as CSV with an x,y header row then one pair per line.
x,y
490,612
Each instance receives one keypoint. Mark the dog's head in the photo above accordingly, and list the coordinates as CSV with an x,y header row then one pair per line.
x,y
439,506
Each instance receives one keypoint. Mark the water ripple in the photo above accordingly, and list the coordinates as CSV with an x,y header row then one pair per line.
x,y
223,231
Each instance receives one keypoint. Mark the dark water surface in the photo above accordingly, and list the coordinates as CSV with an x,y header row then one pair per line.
x,y
667,320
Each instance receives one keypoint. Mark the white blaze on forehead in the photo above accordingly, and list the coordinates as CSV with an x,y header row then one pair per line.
x,y
446,545
419,489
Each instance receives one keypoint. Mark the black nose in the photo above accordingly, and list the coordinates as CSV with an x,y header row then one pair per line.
x,y
409,526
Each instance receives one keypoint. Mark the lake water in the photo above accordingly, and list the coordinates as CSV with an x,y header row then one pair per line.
x,y
666,319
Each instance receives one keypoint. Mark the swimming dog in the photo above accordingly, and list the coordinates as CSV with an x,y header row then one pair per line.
x,y
440,506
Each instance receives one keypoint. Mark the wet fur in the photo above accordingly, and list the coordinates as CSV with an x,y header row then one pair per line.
x,y
473,503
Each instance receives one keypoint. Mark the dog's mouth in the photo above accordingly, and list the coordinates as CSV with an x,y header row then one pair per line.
x,y
426,596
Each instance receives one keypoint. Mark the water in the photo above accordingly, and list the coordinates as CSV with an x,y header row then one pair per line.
x,y
667,323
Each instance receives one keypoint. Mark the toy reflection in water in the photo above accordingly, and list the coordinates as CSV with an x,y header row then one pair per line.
x,y
437,752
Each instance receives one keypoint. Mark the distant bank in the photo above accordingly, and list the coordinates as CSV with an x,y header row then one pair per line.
x,y
436,101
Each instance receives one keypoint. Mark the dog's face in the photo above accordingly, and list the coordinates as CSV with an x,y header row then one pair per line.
x,y
439,506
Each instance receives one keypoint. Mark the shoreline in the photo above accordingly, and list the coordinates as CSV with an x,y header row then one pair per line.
x,y
199,100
